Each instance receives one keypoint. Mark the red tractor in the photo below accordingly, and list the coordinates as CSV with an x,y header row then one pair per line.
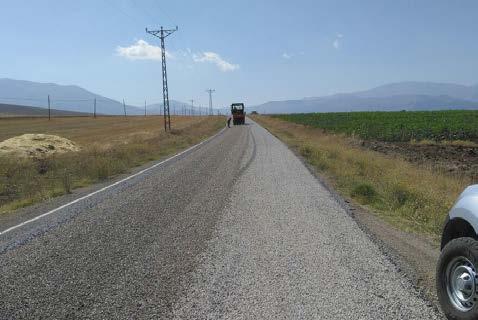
x,y
238,113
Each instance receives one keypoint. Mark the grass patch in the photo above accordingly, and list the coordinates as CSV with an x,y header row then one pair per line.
x,y
24,181
411,197
364,193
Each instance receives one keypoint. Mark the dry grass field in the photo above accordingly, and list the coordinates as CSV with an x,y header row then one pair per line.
x,y
413,197
86,130
109,146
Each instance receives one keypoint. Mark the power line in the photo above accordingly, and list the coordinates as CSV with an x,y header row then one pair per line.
x,y
19,98
163,34
163,11
123,12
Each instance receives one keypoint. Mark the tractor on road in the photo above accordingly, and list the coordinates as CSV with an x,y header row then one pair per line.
x,y
238,113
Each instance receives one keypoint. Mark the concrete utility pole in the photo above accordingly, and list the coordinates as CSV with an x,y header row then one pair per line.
x,y
162,34
145,108
210,91
124,108
94,109
192,107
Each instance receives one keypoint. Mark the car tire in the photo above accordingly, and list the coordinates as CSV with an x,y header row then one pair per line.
x,y
457,279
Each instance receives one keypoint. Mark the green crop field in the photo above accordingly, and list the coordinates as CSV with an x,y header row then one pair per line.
x,y
396,126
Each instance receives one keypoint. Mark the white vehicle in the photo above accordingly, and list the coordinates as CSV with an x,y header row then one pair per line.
x,y
457,274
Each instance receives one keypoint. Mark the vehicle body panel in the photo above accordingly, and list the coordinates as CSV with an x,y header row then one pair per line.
x,y
466,207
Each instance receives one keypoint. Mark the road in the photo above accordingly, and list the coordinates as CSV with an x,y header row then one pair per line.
x,y
237,228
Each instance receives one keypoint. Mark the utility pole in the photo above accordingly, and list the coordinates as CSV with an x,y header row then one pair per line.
x,y
124,108
94,109
162,34
192,106
145,108
210,91
49,109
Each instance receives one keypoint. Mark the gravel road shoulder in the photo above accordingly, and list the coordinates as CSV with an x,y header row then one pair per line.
x,y
414,255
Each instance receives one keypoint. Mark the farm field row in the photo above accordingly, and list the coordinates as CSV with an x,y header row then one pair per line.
x,y
396,126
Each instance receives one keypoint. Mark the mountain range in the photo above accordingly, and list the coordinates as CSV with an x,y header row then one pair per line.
x,y
390,97
68,98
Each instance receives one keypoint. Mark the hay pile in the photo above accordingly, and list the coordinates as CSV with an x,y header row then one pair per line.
x,y
36,145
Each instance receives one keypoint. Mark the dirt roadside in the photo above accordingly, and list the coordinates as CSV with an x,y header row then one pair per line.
x,y
448,158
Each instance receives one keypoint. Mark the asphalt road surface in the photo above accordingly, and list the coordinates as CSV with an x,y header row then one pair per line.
x,y
237,228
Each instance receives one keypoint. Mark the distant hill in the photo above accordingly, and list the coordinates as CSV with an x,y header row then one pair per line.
x,y
68,98
390,97
10,110
410,88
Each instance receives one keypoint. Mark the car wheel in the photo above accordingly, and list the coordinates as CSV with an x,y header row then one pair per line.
x,y
457,279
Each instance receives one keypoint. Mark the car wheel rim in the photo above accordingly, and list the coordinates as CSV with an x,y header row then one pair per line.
x,y
461,283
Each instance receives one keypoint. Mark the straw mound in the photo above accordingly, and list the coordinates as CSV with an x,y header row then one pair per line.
x,y
37,145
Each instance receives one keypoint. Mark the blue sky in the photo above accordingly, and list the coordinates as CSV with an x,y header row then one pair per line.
x,y
251,51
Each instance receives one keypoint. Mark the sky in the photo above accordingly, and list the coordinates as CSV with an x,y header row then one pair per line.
x,y
248,51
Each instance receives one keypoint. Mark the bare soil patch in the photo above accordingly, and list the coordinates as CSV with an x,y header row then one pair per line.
x,y
455,159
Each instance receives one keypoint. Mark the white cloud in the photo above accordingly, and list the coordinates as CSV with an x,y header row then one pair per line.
x,y
285,55
216,59
290,55
141,50
336,42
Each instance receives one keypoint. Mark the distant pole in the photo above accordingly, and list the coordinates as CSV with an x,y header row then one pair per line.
x,y
124,108
49,108
210,91
145,108
192,106
94,109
